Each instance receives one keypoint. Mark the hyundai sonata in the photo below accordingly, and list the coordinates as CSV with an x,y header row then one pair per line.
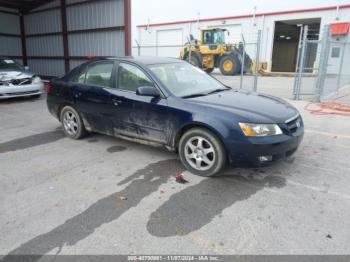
x,y
170,103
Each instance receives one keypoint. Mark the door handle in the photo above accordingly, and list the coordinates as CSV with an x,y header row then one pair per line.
x,y
116,102
78,94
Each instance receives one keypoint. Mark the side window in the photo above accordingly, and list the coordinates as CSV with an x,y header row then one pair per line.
x,y
98,74
207,37
130,78
81,77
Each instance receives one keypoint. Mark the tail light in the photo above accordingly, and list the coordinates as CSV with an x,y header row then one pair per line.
x,y
48,88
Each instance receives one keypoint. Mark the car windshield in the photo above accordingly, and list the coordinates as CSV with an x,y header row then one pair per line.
x,y
9,64
185,80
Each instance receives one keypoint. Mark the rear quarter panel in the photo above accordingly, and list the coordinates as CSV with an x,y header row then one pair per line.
x,y
58,97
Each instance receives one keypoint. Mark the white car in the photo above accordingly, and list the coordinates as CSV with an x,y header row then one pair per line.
x,y
17,81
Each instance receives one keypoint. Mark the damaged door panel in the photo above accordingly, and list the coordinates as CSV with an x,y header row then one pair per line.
x,y
141,117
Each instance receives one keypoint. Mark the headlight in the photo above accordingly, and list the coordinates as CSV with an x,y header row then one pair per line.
x,y
36,80
260,129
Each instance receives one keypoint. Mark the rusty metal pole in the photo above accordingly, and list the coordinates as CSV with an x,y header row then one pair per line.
x,y
65,36
127,27
23,41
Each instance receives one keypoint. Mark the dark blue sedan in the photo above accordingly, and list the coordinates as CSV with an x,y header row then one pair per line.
x,y
170,103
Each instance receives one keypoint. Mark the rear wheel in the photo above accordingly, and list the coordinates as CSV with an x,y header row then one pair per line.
x,y
201,152
72,123
230,65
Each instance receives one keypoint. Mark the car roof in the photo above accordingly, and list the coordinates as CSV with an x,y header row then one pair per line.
x,y
145,60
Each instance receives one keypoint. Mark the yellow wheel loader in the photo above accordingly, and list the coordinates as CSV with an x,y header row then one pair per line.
x,y
211,52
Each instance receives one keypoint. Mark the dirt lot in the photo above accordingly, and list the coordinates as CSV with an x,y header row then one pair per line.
x,y
102,195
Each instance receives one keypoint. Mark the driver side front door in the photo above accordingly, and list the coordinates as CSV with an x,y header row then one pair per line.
x,y
140,117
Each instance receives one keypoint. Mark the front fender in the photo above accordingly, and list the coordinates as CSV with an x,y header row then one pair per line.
x,y
216,127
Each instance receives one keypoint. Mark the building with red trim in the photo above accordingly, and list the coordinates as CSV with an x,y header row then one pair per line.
x,y
280,33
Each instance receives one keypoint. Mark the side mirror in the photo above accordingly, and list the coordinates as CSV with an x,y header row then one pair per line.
x,y
147,91
26,68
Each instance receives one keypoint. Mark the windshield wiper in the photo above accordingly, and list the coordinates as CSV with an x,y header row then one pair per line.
x,y
194,95
218,90
205,94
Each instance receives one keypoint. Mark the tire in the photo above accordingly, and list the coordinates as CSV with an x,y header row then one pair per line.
x,y
192,152
195,59
72,124
230,65
209,70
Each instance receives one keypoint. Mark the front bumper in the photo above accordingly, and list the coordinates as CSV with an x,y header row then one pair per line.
x,y
259,151
21,90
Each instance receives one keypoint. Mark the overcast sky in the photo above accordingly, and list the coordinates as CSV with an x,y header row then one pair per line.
x,y
173,10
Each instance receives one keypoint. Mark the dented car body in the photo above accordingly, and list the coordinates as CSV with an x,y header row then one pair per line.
x,y
158,110
16,81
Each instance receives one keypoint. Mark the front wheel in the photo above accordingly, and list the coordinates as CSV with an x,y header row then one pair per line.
x,y
201,152
72,123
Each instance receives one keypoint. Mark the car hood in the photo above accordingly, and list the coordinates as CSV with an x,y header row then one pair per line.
x,y
251,107
9,75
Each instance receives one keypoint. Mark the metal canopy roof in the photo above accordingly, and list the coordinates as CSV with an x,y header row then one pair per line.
x,y
23,5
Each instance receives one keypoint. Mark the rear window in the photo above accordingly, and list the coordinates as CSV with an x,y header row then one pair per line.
x,y
97,74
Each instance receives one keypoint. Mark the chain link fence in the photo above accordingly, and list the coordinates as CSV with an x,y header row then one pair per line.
x,y
323,66
248,45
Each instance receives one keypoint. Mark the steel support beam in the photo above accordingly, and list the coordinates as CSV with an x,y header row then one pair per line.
x,y
23,40
10,35
127,27
89,30
65,36
9,12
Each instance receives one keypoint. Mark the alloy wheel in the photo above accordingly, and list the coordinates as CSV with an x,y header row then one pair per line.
x,y
199,153
70,123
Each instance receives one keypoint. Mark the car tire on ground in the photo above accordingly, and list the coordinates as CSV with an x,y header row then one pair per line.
x,y
230,65
202,152
72,123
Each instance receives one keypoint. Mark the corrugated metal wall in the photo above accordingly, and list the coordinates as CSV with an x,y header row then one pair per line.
x,y
43,22
96,43
45,50
46,67
10,40
104,14
45,46
9,24
94,28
